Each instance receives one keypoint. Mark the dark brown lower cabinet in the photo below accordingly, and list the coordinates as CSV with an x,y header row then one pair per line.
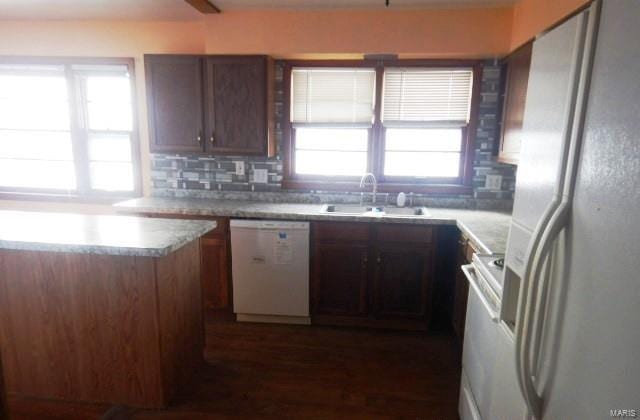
x,y
340,279
466,250
401,281
4,412
216,286
460,294
215,269
371,275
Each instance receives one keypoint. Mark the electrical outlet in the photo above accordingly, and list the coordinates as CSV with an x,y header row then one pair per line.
x,y
239,167
493,182
260,176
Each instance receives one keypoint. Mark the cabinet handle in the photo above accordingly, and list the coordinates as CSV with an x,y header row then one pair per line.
x,y
212,140
378,259
199,139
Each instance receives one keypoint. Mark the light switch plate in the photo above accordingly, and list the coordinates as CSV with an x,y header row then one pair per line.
x,y
260,176
239,167
493,182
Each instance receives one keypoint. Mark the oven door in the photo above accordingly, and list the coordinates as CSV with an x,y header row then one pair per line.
x,y
480,334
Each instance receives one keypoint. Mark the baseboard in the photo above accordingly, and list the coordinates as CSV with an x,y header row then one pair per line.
x,y
274,319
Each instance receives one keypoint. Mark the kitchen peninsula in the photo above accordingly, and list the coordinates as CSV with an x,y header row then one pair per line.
x,y
100,308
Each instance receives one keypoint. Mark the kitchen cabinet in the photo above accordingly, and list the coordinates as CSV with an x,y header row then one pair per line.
x,y
210,104
4,412
174,101
340,275
340,269
401,281
466,249
215,273
375,275
236,104
515,93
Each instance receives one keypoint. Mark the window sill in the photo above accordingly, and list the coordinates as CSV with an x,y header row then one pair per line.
x,y
350,186
58,198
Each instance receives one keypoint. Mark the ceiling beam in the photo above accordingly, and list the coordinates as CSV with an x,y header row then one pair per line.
x,y
204,6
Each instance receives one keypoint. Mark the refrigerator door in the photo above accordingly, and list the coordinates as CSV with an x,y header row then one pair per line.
x,y
547,119
548,123
507,403
590,357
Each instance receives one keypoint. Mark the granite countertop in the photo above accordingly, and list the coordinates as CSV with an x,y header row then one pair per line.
x,y
92,234
487,229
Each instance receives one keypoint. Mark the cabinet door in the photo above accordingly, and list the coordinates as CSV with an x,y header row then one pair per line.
x,y
4,412
236,105
215,273
174,102
515,93
461,293
401,281
340,279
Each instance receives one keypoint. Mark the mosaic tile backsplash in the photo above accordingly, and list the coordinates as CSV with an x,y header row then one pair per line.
x,y
261,179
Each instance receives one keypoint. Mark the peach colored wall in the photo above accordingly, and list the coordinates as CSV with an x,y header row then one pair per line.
x,y
531,17
457,32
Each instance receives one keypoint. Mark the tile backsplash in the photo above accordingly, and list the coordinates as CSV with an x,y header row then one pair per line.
x,y
217,176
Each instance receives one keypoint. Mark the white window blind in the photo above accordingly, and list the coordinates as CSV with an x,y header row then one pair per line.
x,y
332,95
426,96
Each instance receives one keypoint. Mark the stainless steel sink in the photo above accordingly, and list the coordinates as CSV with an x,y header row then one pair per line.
x,y
350,209
353,209
406,211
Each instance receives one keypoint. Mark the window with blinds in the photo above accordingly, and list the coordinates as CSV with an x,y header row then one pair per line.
x,y
332,111
428,97
332,95
416,135
424,113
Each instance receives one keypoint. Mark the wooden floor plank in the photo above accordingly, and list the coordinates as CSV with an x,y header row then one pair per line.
x,y
299,372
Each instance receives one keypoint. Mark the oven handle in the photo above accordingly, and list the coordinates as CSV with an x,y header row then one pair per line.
x,y
473,281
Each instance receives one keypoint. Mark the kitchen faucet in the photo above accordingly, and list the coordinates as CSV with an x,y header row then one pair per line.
x,y
374,183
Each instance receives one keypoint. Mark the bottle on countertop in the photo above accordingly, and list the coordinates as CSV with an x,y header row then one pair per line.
x,y
401,200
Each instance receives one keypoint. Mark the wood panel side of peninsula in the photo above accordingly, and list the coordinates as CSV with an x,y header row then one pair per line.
x,y
100,328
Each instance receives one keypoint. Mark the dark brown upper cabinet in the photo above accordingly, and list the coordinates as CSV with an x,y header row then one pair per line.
x,y
236,96
174,102
515,94
228,104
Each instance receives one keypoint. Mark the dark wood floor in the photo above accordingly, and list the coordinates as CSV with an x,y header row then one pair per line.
x,y
299,372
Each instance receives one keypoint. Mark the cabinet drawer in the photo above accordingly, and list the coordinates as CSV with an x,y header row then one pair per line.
x,y
404,233
341,231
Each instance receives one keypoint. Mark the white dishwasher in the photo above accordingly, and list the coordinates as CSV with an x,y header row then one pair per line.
x,y
270,268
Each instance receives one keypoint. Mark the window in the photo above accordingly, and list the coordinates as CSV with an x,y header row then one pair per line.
x,y
67,128
332,113
407,122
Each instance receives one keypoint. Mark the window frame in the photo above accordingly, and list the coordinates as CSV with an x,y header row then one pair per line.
x,y
462,184
79,135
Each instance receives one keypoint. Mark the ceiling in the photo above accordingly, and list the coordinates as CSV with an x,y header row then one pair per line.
x,y
180,10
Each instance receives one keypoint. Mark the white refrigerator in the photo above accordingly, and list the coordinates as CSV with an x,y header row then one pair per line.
x,y
569,339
